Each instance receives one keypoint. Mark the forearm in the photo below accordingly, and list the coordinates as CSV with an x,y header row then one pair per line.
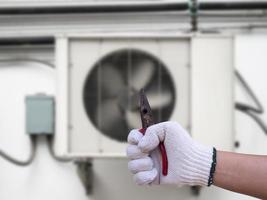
x,y
189,162
246,174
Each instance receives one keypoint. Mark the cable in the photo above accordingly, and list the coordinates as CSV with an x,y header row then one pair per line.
x,y
19,162
49,139
257,120
245,107
33,138
248,109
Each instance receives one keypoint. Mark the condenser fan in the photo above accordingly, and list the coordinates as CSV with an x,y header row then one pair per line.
x,y
112,88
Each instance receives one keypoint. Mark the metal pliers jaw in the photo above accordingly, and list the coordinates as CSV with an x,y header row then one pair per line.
x,y
147,120
145,111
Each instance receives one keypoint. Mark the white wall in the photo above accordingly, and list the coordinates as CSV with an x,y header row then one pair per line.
x,y
251,61
47,179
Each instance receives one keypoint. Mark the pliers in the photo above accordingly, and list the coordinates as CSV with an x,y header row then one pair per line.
x,y
147,120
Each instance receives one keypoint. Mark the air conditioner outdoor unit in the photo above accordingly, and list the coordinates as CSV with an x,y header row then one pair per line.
x,y
187,78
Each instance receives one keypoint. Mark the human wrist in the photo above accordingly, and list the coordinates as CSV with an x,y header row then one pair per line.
x,y
198,164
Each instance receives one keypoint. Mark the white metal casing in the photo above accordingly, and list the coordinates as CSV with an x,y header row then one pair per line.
x,y
212,91
204,88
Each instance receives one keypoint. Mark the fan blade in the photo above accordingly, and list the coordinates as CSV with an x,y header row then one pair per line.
x,y
111,81
108,114
142,74
133,119
159,100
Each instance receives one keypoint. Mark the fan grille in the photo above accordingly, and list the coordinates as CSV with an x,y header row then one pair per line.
x,y
111,91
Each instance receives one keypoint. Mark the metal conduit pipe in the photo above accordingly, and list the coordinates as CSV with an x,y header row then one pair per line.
x,y
27,41
193,8
96,8
134,7
252,5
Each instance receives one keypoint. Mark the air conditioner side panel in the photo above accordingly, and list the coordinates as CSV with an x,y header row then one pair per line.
x,y
62,115
212,91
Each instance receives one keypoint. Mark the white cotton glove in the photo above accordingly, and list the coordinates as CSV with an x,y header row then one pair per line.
x,y
189,162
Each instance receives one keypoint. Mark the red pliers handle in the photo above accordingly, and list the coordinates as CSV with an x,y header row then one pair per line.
x,y
147,120
164,158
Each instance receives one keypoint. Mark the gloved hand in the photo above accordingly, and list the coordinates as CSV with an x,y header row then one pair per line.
x,y
189,161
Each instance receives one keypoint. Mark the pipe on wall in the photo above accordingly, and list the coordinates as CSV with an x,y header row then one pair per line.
x,y
227,6
26,41
193,7
134,7
96,8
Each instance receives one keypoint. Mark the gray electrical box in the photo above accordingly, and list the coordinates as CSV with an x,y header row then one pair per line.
x,y
39,114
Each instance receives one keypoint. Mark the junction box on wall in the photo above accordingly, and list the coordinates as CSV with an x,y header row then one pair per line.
x,y
40,114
